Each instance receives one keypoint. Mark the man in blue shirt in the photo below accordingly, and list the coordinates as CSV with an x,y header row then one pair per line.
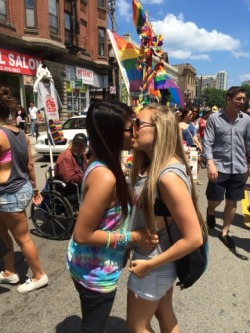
x,y
226,142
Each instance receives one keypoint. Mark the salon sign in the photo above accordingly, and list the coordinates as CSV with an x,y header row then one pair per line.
x,y
18,63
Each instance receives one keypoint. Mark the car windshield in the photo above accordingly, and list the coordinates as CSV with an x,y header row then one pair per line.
x,y
75,123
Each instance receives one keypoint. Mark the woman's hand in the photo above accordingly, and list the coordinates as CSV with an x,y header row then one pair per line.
x,y
37,198
139,267
145,239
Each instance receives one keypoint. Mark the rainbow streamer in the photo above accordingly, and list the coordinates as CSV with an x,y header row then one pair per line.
x,y
139,17
148,77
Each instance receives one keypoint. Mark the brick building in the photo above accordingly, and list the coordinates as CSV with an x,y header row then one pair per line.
x,y
69,36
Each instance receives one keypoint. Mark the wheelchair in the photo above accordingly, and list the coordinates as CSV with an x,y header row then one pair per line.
x,y
55,217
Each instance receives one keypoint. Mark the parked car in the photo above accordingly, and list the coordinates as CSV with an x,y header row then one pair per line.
x,y
70,128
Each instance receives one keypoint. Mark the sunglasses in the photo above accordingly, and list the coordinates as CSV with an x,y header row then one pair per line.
x,y
129,129
137,123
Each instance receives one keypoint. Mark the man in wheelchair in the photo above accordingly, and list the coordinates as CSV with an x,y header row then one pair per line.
x,y
71,164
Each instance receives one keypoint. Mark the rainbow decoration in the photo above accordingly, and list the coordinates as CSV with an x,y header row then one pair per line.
x,y
139,17
148,77
129,163
176,95
56,131
128,55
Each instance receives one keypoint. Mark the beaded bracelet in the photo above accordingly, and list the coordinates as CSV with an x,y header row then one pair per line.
x,y
108,239
123,241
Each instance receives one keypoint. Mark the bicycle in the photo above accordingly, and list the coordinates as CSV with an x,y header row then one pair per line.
x,y
55,217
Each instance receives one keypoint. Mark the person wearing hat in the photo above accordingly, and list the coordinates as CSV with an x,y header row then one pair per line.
x,y
71,163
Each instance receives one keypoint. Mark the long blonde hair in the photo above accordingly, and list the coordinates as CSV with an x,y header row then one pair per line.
x,y
167,144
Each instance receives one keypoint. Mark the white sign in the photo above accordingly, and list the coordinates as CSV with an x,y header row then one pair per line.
x,y
86,75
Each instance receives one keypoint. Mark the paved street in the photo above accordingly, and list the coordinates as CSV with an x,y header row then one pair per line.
x,y
217,303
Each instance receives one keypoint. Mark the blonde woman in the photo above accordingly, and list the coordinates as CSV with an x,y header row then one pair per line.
x,y
159,162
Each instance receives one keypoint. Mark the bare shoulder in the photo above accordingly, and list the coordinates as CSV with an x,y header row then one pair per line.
x,y
172,182
101,176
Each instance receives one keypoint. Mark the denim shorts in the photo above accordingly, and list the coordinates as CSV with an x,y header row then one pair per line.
x,y
16,202
155,284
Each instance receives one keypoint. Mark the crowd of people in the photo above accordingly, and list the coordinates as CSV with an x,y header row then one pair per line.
x,y
117,220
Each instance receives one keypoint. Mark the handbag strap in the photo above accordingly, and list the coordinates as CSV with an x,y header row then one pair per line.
x,y
159,195
166,222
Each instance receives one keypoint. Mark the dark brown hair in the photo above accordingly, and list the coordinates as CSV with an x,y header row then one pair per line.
x,y
8,103
231,92
105,126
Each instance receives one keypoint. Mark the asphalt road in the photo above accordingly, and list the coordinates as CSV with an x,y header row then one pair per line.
x,y
218,303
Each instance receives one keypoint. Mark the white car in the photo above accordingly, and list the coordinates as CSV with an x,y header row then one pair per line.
x,y
70,128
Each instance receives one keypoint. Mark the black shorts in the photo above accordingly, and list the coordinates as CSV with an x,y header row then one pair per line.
x,y
229,185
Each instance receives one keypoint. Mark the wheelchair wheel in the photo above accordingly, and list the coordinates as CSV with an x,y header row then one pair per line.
x,y
53,218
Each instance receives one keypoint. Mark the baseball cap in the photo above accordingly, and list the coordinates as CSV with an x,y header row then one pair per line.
x,y
80,138
214,108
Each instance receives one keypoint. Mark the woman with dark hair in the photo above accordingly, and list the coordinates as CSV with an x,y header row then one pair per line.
x,y
187,129
17,178
189,134
97,249
21,118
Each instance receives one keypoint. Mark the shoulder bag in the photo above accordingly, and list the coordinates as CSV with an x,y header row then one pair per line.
x,y
191,267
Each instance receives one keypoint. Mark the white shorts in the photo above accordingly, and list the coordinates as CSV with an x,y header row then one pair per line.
x,y
154,285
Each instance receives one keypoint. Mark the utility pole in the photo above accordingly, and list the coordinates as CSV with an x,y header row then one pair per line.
x,y
111,10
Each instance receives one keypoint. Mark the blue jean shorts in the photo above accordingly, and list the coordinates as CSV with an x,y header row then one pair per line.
x,y
16,202
155,284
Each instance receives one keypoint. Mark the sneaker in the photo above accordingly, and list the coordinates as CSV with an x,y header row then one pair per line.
x,y
11,279
31,285
211,221
227,241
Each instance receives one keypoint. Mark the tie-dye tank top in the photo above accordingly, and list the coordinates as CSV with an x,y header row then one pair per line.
x,y
98,268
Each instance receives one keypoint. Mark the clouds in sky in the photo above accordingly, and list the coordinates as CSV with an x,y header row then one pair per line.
x,y
185,40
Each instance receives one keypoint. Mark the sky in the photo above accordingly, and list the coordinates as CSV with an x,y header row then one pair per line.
x,y
210,35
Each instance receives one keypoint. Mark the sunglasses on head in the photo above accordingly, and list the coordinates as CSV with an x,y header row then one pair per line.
x,y
138,123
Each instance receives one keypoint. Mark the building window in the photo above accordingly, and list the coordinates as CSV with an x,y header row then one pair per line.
x,y
101,42
53,16
30,13
3,10
67,28
101,3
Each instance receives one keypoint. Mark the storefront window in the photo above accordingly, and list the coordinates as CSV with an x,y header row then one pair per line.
x,y
53,16
3,10
30,13
77,98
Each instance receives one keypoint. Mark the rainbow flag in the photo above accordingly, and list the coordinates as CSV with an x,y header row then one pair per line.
x,y
127,55
139,17
176,95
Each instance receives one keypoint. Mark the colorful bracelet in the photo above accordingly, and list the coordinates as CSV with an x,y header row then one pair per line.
x,y
124,238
